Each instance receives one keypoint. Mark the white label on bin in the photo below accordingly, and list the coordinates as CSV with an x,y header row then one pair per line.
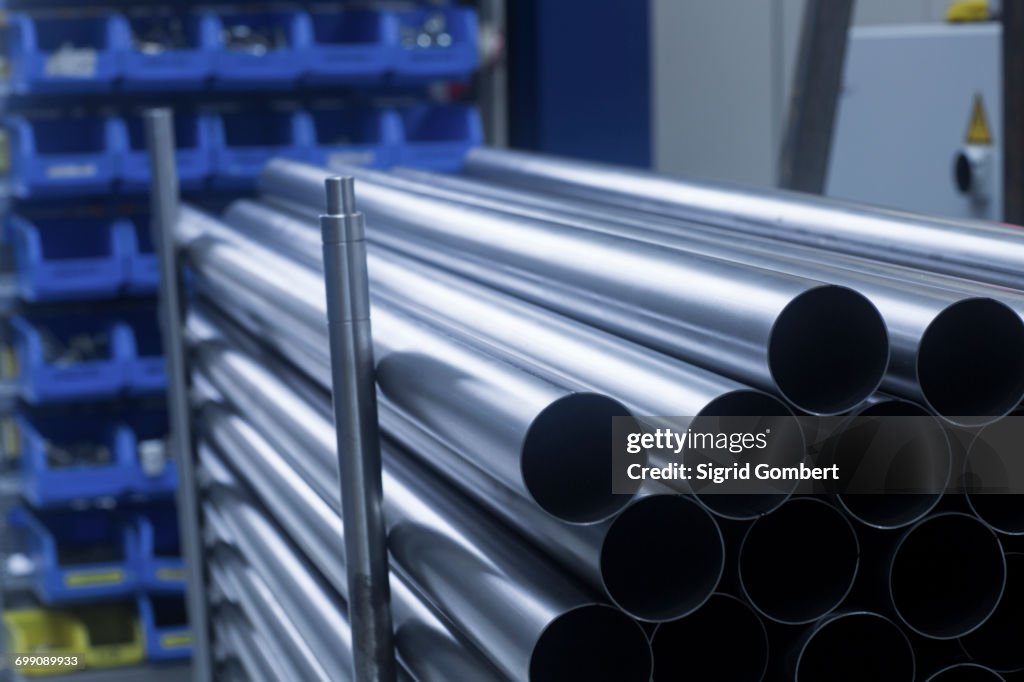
x,y
73,62
71,170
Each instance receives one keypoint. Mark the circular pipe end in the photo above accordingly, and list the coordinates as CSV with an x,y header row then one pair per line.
x,y
828,350
969,365
662,558
592,642
966,672
567,458
856,646
996,643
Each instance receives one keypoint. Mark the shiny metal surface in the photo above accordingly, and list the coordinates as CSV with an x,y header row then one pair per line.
x,y
239,642
978,250
748,323
456,391
355,417
525,615
953,346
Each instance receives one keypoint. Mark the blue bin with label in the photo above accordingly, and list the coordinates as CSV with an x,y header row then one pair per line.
x,y
351,46
355,136
145,363
143,266
64,157
243,142
155,473
51,370
169,51
193,152
439,137
436,43
78,555
165,627
261,49
67,258
161,568
74,457
64,55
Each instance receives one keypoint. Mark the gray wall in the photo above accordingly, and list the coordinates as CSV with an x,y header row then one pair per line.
x,y
721,73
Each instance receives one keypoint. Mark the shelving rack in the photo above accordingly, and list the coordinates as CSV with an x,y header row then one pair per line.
x,y
77,80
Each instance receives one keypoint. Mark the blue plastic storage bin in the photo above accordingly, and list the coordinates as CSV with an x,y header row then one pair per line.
x,y
63,55
69,156
193,152
436,43
165,627
186,66
43,379
145,364
48,481
351,46
438,137
67,259
243,142
155,477
161,568
78,554
274,58
143,270
364,137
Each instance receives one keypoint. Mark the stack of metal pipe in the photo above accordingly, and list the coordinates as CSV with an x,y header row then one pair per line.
x,y
518,311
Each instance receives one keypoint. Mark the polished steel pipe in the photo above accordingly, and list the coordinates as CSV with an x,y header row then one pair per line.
x,y
973,249
820,346
235,640
647,382
472,569
954,556
952,347
723,640
799,562
854,646
966,672
996,643
915,444
454,389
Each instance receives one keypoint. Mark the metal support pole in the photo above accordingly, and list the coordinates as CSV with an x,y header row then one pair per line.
x,y
164,211
1013,112
358,433
803,159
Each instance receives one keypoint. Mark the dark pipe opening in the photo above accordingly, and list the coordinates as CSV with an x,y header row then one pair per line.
x,y
997,642
723,640
567,458
994,475
947,575
969,364
592,642
799,562
966,672
785,448
856,647
662,557
828,350
913,453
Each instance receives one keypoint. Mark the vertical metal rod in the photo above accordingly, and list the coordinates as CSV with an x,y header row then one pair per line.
x,y
164,211
358,433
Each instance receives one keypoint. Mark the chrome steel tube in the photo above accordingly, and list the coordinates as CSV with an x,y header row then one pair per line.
x,y
966,672
237,641
974,249
855,646
820,346
798,563
453,389
953,555
472,569
724,640
626,557
996,642
953,346
647,382
918,449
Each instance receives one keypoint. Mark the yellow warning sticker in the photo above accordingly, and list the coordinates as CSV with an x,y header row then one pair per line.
x,y
978,131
